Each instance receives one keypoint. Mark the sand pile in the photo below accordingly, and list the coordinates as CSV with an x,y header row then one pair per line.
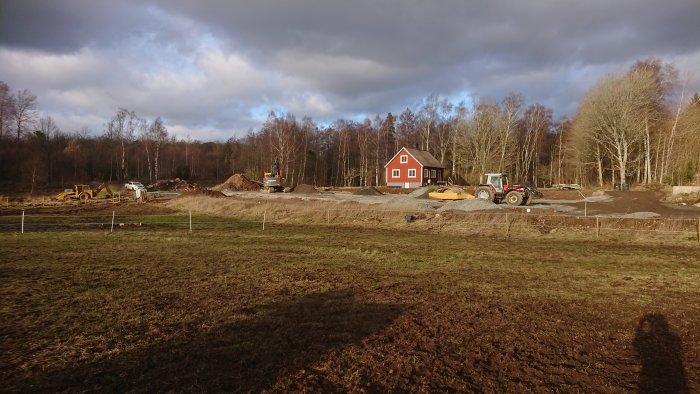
x,y
238,182
476,204
368,191
304,188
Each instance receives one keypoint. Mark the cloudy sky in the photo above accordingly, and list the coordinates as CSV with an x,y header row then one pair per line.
x,y
214,69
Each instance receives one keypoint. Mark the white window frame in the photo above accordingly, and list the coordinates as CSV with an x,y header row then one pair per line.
x,y
426,173
403,159
433,173
414,173
395,173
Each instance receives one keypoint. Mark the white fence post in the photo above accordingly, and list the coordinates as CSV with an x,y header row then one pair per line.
x,y
22,222
190,221
264,217
112,229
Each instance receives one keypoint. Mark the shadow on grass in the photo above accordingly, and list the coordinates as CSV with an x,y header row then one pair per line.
x,y
277,339
660,352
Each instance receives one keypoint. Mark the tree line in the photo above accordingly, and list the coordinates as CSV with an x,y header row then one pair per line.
x,y
638,126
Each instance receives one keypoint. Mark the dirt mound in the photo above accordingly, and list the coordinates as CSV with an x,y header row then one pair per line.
x,y
304,188
176,184
419,193
238,182
476,204
368,191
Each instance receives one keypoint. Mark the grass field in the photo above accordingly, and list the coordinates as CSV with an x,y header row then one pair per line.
x,y
322,308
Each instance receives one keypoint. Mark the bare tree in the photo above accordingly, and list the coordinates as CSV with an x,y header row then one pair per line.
x,y
24,111
612,115
147,140
406,130
511,106
7,104
478,139
121,128
47,140
159,135
428,118
537,121
444,129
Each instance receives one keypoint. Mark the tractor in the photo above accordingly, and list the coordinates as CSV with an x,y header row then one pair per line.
x,y
495,187
84,192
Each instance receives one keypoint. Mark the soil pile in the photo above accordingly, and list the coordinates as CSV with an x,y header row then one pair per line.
x,y
368,191
176,184
419,193
238,182
304,188
476,204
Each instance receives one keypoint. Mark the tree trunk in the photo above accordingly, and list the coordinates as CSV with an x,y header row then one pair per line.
x,y
599,160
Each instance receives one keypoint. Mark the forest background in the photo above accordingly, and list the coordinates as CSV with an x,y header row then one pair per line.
x,y
638,126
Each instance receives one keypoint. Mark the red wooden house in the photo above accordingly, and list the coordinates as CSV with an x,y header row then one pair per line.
x,y
413,168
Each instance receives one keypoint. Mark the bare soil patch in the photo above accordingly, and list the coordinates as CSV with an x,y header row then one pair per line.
x,y
303,188
93,208
639,201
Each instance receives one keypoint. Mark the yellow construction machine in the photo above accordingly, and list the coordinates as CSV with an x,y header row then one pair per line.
x,y
85,192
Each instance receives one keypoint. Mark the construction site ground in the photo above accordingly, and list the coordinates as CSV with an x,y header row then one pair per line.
x,y
632,204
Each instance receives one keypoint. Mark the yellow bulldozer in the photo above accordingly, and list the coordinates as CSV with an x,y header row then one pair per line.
x,y
85,193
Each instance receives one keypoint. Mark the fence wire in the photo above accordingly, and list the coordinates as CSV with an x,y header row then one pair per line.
x,y
490,222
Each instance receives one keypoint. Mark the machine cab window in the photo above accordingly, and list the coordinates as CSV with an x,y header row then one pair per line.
x,y
495,181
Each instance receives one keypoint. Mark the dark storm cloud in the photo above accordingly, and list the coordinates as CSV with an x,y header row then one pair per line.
x,y
454,45
224,60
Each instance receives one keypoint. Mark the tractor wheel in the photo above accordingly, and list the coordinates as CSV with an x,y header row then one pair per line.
x,y
84,197
484,193
514,198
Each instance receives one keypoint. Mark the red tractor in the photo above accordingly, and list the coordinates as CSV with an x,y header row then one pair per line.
x,y
495,187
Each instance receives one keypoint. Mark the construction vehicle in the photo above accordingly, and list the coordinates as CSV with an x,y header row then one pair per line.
x,y
85,192
273,181
496,187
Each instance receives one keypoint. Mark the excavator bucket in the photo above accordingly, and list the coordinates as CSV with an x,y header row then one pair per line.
x,y
103,191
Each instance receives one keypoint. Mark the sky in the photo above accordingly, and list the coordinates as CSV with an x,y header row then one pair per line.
x,y
214,69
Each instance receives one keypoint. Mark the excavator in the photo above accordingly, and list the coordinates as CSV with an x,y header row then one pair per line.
x,y
273,181
85,192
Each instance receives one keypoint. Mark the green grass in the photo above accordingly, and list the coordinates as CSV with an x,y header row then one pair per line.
x,y
76,301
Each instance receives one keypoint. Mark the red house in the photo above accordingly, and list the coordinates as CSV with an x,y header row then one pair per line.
x,y
413,168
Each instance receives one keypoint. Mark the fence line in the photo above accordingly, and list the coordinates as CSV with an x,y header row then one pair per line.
x,y
510,221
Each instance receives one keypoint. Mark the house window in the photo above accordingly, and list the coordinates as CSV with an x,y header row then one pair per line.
x,y
433,173
412,173
425,173
404,159
395,173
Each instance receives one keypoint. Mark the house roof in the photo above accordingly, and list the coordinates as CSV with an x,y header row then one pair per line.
x,y
422,156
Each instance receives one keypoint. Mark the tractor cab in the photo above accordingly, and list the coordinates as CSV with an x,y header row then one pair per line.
x,y
82,188
498,181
